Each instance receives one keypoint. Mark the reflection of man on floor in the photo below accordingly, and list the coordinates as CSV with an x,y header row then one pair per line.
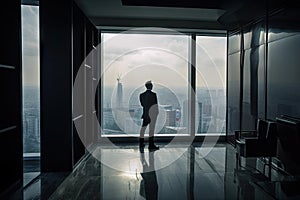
x,y
148,100
148,186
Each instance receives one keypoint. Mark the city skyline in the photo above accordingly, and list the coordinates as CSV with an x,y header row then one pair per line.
x,y
125,117
31,119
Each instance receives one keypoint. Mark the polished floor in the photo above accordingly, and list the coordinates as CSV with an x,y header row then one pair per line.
x,y
193,172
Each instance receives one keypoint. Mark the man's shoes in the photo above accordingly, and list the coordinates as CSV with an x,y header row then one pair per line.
x,y
152,146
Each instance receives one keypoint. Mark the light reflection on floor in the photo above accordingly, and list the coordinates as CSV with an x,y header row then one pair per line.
x,y
192,175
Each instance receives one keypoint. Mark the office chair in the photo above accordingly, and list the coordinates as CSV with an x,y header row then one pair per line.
x,y
261,142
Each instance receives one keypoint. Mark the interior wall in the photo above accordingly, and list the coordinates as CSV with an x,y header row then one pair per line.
x,y
233,83
283,82
67,36
267,47
268,74
78,58
56,85
11,96
253,74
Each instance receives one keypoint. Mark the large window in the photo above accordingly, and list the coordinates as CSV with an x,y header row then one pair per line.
x,y
31,90
131,59
211,84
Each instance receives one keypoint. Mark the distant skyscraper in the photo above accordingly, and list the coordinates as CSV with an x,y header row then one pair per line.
x,y
185,116
170,117
119,97
31,131
119,111
108,118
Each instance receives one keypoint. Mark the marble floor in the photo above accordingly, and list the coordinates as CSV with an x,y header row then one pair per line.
x,y
194,172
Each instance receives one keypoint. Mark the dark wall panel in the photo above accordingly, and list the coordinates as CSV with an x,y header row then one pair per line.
x,y
253,95
283,83
56,85
250,45
66,40
85,40
248,106
78,59
96,78
283,24
89,82
270,72
255,34
253,101
10,96
233,97
10,90
261,78
283,70
233,84
91,77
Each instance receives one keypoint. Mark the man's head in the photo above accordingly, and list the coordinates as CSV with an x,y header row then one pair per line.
x,y
149,85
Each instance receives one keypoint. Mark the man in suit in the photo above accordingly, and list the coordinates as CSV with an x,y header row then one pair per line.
x,y
148,100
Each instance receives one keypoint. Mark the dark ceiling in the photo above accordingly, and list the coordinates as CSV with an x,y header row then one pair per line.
x,y
193,14
210,4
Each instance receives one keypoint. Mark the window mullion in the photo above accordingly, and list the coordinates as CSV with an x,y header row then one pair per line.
x,y
192,82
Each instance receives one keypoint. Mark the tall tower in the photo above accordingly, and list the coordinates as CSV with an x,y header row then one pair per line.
x,y
119,97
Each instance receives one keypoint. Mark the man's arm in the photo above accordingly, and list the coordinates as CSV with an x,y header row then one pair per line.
x,y
156,105
141,100
155,99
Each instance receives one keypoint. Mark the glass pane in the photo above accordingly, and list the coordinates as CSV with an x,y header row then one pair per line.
x,y
128,61
31,88
210,85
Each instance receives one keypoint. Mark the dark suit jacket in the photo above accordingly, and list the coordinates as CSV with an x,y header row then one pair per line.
x,y
148,100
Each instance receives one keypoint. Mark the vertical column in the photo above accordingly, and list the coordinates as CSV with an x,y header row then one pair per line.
x,y
89,82
96,130
56,85
10,90
78,99
192,86
233,83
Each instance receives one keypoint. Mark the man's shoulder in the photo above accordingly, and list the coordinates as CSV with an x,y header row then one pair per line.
x,y
153,93
143,93
147,92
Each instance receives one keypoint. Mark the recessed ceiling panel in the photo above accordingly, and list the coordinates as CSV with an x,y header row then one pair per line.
x,y
212,4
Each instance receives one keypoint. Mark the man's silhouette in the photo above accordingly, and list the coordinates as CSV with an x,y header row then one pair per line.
x,y
148,100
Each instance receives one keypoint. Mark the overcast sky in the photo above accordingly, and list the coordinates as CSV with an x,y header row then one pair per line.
x,y
164,59
30,45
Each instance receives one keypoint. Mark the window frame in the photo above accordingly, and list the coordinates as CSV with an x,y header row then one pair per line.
x,y
192,33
